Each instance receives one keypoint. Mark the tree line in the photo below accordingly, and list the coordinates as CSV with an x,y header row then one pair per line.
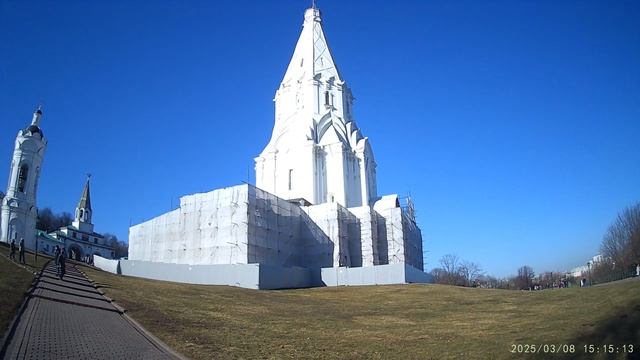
x,y
620,247
456,271
620,250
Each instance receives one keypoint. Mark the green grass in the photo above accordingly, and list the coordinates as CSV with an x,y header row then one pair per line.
x,y
375,322
14,282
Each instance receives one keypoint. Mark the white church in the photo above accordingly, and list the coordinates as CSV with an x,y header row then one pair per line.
x,y
314,217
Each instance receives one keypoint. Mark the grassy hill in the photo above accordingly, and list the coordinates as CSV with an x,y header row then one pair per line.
x,y
379,322
14,282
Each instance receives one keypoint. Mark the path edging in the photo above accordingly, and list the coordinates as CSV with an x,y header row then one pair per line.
x,y
146,333
14,322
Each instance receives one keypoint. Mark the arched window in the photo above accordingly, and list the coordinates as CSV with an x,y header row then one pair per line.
x,y
22,177
81,215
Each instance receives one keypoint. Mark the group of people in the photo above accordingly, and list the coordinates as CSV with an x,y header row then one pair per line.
x,y
21,249
60,257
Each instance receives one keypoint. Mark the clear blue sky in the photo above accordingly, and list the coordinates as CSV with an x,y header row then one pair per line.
x,y
514,125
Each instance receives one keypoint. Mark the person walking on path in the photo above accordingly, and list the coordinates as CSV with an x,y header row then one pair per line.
x,y
21,251
12,254
56,258
62,263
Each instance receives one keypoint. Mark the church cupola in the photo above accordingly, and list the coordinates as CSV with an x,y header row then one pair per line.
x,y
83,211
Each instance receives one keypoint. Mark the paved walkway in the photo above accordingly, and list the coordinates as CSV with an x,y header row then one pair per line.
x,y
70,319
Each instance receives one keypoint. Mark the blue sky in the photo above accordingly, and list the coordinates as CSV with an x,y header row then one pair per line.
x,y
514,125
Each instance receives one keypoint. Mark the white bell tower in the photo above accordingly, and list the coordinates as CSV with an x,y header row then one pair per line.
x,y
316,151
19,212
84,212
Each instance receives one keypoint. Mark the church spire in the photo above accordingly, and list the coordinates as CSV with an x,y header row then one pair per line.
x,y
36,116
311,56
85,199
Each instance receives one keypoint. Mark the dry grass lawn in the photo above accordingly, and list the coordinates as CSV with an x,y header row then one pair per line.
x,y
377,322
14,282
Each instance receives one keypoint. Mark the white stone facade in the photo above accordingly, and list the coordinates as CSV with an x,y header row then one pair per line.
x,y
316,151
19,211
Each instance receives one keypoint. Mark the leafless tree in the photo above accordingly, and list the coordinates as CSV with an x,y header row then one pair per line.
x,y
120,248
524,280
621,242
469,272
451,270
47,221
449,263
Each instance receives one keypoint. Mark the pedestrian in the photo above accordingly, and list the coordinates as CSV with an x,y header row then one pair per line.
x,y
56,258
62,263
21,251
638,270
12,254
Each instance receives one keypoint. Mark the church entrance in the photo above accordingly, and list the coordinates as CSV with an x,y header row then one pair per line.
x,y
75,252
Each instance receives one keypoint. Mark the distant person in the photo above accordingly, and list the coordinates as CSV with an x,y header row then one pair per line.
x,y
62,259
56,259
638,270
12,253
583,282
21,251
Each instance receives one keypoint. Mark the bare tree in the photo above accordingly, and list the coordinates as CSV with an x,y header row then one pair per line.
x,y
524,280
120,248
438,275
451,269
469,272
621,242
48,221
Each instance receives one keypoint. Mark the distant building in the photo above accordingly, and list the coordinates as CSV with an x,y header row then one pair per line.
x,y
79,238
19,211
583,270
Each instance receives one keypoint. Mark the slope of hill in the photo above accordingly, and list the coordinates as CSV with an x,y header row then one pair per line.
x,y
399,322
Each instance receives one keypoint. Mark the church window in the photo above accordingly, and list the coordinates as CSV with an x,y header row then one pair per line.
x,y
85,237
326,98
81,214
290,179
22,177
301,62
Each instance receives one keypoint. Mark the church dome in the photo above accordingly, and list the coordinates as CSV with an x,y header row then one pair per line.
x,y
34,129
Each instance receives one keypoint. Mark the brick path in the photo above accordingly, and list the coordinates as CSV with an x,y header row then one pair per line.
x,y
70,319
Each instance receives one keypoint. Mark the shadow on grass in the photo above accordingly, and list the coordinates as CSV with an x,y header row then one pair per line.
x,y
621,329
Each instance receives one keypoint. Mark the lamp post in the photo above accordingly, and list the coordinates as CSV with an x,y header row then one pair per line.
x,y
589,267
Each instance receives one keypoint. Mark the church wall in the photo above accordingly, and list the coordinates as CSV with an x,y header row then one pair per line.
x,y
368,234
395,235
352,180
413,242
208,228
273,230
335,173
337,224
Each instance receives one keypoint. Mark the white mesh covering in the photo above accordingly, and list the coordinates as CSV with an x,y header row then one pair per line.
x,y
246,225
